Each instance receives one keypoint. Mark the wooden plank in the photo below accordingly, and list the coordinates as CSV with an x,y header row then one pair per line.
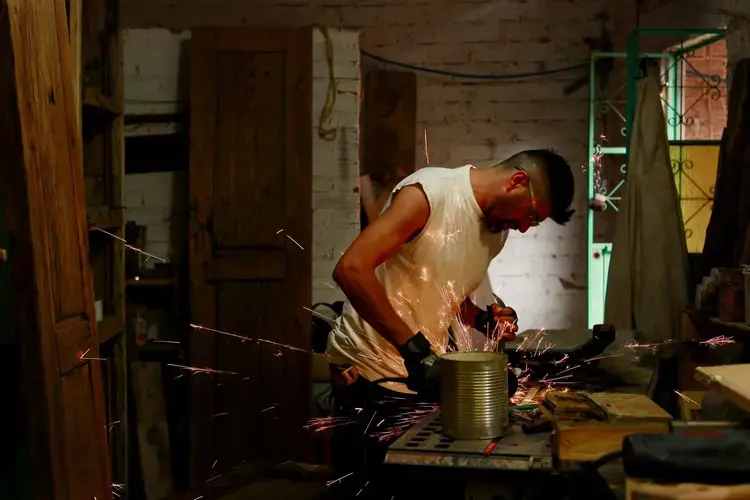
x,y
618,406
389,123
583,442
638,489
51,276
731,381
75,16
153,432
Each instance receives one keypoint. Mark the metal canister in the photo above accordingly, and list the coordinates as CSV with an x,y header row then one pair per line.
x,y
474,394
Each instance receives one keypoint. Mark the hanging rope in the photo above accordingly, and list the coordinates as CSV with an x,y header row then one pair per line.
x,y
325,132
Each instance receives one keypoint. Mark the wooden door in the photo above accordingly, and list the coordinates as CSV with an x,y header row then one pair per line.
x,y
42,182
250,235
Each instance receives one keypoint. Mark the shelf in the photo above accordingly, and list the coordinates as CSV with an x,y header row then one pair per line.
x,y
94,100
103,218
109,327
151,282
736,326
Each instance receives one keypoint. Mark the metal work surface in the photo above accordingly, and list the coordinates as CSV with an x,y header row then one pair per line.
x,y
424,445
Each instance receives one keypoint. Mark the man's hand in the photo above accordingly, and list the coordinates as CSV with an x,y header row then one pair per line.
x,y
422,367
498,322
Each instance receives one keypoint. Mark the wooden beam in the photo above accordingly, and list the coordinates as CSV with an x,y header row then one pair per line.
x,y
75,11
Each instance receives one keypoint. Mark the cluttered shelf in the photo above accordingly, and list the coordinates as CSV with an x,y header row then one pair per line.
x,y
735,325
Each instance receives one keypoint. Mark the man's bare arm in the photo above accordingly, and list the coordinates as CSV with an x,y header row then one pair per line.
x,y
355,271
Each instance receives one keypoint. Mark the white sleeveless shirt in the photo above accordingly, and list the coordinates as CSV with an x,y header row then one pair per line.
x,y
427,279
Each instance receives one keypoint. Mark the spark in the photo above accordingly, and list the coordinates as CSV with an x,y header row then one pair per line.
x,y
166,342
363,488
84,358
329,285
603,356
113,424
220,332
273,406
213,478
279,231
562,360
426,152
718,341
131,247
569,369
635,345
202,370
334,481
285,346
222,414
370,422
686,398
214,465
295,242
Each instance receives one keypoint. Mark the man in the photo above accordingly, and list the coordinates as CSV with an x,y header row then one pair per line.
x,y
411,273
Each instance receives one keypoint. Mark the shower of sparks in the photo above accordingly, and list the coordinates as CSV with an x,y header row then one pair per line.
x,y
194,370
686,398
402,422
336,481
295,242
718,341
320,424
131,247
84,358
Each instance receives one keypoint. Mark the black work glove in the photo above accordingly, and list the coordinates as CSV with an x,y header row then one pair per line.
x,y
422,367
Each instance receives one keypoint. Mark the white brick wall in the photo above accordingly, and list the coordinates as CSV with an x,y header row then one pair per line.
x,y
156,82
466,120
159,202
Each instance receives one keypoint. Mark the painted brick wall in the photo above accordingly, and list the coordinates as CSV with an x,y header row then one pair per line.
x,y
157,82
542,273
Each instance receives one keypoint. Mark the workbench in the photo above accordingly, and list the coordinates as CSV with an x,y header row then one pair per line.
x,y
423,445
520,464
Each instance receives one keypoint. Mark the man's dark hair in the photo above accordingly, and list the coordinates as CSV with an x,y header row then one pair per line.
x,y
561,183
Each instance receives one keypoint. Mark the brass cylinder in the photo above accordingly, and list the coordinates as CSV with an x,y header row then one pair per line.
x,y
474,394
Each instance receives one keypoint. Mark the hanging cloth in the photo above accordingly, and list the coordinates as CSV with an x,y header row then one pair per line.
x,y
730,215
648,270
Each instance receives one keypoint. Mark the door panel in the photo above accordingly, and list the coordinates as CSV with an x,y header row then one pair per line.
x,y
42,182
251,223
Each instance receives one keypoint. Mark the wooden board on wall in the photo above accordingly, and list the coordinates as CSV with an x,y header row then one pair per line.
x,y
390,123
250,188
53,294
